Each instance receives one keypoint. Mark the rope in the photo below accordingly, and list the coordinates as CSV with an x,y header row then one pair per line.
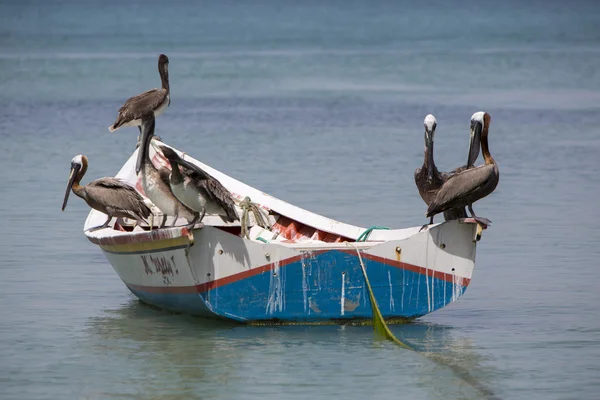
x,y
379,324
363,236
247,206
380,327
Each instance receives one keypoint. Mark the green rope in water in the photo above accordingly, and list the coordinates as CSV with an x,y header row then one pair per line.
x,y
379,324
363,236
247,205
381,328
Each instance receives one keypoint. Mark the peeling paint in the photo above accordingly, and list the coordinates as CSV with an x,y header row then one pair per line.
x,y
351,305
432,290
403,288
427,289
343,300
392,305
457,284
313,306
276,300
305,285
445,298
418,288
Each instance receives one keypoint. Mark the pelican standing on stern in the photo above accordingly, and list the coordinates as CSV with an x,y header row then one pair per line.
x,y
155,182
198,190
110,196
466,187
153,100
429,180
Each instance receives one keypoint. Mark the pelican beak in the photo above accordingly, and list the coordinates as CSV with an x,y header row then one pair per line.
x,y
147,133
74,171
474,143
429,143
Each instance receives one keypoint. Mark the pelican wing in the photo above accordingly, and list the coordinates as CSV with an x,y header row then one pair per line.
x,y
135,107
114,194
221,195
110,183
211,186
455,171
459,187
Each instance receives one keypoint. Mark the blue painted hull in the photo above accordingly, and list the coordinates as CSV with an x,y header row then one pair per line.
x,y
326,286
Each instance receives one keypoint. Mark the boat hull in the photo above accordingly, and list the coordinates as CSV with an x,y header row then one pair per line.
x,y
209,272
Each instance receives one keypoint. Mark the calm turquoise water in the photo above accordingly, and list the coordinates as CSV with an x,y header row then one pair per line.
x,y
320,104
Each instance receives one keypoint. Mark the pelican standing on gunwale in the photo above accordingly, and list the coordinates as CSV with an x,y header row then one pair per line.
x,y
153,100
198,190
429,180
466,187
155,182
110,196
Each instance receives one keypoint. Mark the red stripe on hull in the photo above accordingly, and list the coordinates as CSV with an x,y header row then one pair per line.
x,y
413,268
205,287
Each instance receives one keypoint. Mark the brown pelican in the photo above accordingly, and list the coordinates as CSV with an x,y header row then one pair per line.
x,y
198,190
466,187
429,180
156,181
110,196
153,100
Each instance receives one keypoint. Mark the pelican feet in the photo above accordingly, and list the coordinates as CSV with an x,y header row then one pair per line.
x,y
483,221
427,225
164,221
105,225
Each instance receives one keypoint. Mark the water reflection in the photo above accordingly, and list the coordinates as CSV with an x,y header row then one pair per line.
x,y
162,355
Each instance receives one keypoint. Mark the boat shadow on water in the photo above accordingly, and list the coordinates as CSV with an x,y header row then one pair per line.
x,y
176,341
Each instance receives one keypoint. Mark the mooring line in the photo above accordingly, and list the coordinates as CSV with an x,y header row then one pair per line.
x,y
380,327
379,324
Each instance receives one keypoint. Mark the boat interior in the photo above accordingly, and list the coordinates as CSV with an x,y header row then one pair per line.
x,y
283,229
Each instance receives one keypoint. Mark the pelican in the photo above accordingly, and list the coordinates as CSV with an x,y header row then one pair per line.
x,y
156,181
153,100
429,180
198,190
466,187
110,196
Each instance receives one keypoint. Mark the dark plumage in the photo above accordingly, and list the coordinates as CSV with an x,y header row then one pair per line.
x,y
466,187
155,181
110,196
428,179
197,189
153,100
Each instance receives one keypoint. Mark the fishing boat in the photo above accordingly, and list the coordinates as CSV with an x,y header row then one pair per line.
x,y
298,267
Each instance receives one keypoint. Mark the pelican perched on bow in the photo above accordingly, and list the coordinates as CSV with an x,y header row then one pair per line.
x,y
110,196
198,190
466,187
429,180
153,100
155,181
